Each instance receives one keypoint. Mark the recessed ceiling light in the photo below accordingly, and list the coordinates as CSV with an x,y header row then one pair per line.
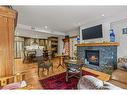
x,y
102,15
79,24
46,27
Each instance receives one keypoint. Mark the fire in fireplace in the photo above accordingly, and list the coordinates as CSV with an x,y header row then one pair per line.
x,y
92,57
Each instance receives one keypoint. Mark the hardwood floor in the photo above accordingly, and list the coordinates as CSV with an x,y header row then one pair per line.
x,y
31,69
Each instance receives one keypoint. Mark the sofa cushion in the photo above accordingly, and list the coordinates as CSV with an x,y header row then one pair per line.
x,y
122,66
97,82
89,82
84,83
125,66
122,63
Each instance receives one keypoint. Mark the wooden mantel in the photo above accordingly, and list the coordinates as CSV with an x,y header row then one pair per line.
x,y
99,44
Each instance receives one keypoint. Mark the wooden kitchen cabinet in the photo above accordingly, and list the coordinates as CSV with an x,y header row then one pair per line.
x,y
53,45
7,25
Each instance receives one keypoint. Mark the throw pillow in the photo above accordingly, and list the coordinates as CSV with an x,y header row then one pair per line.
x,y
125,66
23,84
122,66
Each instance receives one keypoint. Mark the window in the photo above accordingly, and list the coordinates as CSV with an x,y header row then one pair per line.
x,y
19,47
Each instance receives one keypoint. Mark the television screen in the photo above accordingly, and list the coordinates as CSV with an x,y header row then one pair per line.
x,y
92,32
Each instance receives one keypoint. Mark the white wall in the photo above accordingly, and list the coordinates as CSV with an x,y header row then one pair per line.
x,y
32,34
107,24
117,23
73,32
122,38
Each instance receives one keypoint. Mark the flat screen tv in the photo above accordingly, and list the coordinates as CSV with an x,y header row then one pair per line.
x,y
92,32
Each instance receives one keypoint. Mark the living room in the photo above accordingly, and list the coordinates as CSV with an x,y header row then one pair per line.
x,y
100,57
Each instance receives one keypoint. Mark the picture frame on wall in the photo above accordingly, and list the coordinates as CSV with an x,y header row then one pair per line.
x,y
124,31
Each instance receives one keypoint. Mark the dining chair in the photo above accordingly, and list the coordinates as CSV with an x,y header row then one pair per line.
x,y
45,64
26,58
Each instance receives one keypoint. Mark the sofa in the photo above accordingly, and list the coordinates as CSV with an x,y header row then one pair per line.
x,y
89,82
118,79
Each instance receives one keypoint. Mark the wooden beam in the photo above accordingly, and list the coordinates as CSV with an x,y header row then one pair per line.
x,y
99,44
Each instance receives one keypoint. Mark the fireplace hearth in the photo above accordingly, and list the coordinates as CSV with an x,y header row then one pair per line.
x,y
92,57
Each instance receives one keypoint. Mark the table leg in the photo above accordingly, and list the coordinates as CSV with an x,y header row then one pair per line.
x,y
60,62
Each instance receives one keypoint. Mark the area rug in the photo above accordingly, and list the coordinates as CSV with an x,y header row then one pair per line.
x,y
58,82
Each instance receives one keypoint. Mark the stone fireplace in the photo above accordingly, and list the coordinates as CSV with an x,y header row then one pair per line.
x,y
98,56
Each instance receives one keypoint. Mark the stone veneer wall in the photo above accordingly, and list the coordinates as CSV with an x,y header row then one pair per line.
x,y
107,57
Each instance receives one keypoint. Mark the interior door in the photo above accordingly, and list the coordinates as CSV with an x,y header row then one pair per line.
x,y
3,45
6,46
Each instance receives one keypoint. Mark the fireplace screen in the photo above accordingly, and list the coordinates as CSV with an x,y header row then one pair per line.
x,y
92,57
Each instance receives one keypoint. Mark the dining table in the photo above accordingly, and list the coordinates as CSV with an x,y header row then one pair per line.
x,y
31,55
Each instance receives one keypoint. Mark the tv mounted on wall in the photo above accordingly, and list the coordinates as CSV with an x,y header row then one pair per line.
x,y
92,32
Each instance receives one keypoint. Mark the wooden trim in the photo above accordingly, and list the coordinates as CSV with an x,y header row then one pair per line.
x,y
73,36
16,78
17,58
19,36
7,12
99,44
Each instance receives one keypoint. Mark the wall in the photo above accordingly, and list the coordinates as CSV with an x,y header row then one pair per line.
x,y
73,32
107,24
117,27
32,34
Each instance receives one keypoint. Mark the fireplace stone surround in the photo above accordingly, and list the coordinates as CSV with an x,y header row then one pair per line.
x,y
107,55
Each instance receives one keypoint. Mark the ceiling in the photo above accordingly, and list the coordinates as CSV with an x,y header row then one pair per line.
x,y
64,18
